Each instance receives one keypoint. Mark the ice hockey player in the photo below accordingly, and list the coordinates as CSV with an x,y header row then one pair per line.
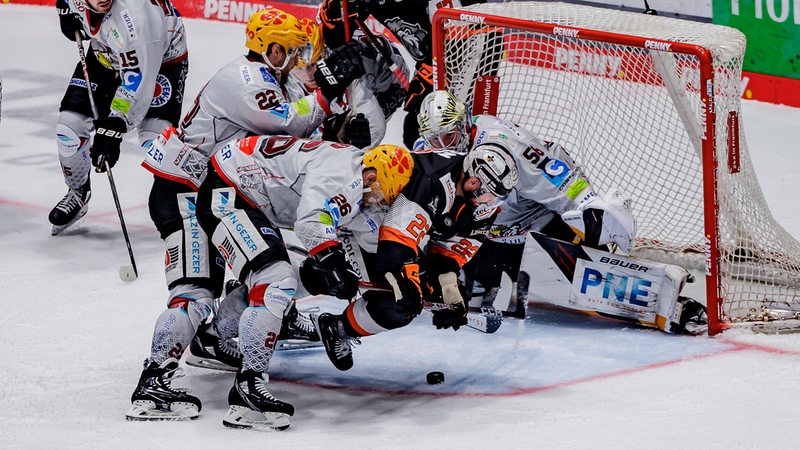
x,y
410,22
425,239
137,63
254,187
246,96
554,198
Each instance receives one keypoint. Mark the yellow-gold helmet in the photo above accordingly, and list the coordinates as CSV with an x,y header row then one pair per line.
x,y
394,165
315,39
273,25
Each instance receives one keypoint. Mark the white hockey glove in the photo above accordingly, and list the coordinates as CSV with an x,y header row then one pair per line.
x,y
602,221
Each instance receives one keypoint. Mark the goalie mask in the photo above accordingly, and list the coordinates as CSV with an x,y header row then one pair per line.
x,y
269,26
494,167
443,123
394,166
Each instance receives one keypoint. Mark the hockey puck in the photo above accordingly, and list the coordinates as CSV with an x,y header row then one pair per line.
x,y
435,377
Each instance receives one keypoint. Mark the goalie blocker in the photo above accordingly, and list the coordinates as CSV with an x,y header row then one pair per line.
x,y
615,286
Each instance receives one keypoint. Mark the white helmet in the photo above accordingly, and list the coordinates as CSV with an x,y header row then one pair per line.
x,y
494,166
443,123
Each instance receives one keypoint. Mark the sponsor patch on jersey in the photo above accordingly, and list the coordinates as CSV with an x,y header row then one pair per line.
x,y
129,26
163,91
576,188
556,171
131,79
267,231
246,77
266,76
333,215
302,107
120,104
280,111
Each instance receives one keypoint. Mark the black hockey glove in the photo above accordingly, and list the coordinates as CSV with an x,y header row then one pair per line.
x,y
70,23
356,131
107,139
329,273
391,99
410,130
454,298
407,289
338,70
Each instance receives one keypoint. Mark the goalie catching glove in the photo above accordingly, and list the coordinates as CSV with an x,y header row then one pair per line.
x,y
600,221
329,273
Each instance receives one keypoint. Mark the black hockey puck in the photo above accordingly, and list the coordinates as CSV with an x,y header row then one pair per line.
x,y
435,377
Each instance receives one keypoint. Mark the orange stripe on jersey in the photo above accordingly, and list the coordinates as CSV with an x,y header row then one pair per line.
x,y
351,317
446,252
394,235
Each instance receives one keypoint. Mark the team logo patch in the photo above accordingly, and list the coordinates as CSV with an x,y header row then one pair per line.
x,y
280,111
554,170
162,93
131,79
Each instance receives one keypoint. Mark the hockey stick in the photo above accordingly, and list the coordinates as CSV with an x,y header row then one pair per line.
x,y
126,273
385,52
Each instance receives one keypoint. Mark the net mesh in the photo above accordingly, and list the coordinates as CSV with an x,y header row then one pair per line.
x,y
634,119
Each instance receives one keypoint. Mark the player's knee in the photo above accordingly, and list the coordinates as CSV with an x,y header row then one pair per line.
x,y
272,287
383,310
72,133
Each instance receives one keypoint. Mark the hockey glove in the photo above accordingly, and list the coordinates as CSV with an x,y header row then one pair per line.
x,y
391,99
407,289
452,294
70,23
410,130
329,273
338,70
356,131
107,139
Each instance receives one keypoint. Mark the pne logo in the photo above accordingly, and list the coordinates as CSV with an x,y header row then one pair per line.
x,y
615,287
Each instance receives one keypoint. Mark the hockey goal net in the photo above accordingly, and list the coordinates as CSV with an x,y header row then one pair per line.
x,y
646,104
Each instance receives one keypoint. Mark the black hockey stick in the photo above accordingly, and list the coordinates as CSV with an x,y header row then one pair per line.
x,y
126,273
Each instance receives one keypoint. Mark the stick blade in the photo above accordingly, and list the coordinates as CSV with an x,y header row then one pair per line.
x,y
127,274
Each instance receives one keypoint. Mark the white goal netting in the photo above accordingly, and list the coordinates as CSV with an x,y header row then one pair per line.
x,y
625,94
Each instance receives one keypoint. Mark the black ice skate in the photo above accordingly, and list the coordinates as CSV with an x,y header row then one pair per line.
x,y
155,398
338,345
208,351
253,407
297,331
71,208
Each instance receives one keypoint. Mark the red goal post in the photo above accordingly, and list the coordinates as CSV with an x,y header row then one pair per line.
x,y
646,104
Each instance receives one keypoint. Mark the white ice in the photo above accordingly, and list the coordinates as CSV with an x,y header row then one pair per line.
x,y
73,336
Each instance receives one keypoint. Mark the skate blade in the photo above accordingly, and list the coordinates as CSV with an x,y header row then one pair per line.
x,y
57,229
144,410
297,344
207,363
245,418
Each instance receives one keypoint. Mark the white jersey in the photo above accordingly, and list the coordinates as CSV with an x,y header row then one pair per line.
x,y
550,181
312,186
242,99
135,38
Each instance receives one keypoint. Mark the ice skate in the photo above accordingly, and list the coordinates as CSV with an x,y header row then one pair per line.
x,y
155,398
298,331
338,345
208,351
253,407
70,209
